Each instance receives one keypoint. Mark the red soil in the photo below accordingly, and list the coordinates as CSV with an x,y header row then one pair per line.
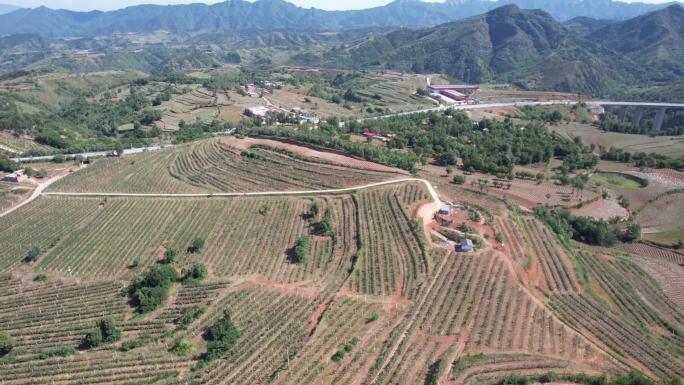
x,y
246,143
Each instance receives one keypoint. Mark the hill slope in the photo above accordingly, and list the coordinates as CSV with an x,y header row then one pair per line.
x,y
506,44
6,8
272,15
655,40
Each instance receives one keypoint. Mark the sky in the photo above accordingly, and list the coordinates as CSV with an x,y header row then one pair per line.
x,y
87,5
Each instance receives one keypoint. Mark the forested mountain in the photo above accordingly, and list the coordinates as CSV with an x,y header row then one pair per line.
x,y
509,44
655,40
583,26
278,15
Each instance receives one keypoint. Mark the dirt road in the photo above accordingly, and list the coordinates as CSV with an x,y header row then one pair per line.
x,y
36,193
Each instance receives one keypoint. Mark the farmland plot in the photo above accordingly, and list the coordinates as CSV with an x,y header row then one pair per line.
x,y
240,240
489,369
140,173
629,344
474,301
391,258
215,166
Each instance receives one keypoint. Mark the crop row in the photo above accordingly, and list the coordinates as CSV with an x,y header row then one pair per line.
x,y
479,297
554,262
214,166
139,173
272,324
391,259
624,293
618,335
240,239
41,224
490,369
346,319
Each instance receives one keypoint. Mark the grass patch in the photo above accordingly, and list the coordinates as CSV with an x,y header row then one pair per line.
x,y
616,180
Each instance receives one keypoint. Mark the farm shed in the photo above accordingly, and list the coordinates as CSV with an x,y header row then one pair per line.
x,y
445,210
16,177
466,245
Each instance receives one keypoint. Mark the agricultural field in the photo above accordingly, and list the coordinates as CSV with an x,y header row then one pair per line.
x,y
667,145
224,166
321,287
663,220
197,104
12,194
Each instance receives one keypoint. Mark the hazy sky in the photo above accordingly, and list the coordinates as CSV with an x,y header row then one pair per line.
x,y
86,5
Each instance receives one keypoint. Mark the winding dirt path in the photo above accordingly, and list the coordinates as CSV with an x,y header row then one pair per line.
x,y
38,191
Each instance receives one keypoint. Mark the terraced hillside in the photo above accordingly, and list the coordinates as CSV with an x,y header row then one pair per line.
x,y
212,166
347,288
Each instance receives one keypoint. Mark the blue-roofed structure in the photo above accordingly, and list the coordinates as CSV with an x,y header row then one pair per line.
x,y
466,245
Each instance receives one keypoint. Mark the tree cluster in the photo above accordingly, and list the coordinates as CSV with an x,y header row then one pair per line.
x,y
588,230
150,289
220,338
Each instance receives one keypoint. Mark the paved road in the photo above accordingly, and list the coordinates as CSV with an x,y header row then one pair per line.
x,y
475,107
93,154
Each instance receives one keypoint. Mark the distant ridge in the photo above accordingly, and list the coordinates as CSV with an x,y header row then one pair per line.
x,y
6,8
279,15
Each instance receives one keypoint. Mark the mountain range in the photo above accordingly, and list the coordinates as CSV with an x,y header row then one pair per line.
x,y
279,15
532,49
6,8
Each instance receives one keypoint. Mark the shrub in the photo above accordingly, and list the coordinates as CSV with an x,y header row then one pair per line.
x,y
344,350
104,332
197,246
435,371
459,179
130,345
32,255
170,256
63,351
7,343
220,338
151,289
374,316
189,316
301,249
197,272
41,278
181,347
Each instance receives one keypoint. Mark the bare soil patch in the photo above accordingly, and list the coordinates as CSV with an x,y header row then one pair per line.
x,y
246,143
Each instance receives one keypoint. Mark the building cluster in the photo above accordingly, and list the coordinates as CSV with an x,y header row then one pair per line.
x,y
452,94
15,177
294,116
378,136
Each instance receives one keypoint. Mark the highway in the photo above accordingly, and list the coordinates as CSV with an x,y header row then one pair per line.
x,y
93,154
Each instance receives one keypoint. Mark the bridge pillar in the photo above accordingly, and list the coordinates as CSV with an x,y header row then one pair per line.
x,y
636,119
660,116
622,116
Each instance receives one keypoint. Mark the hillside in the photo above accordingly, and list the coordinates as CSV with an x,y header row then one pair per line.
x,y
277,15
320,287
507,44
6,8
655,40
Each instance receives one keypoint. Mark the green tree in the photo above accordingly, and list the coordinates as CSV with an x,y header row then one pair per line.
x,y
197,246
7,343
170,256
104,332
220,337
301,249
32,255
197,272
